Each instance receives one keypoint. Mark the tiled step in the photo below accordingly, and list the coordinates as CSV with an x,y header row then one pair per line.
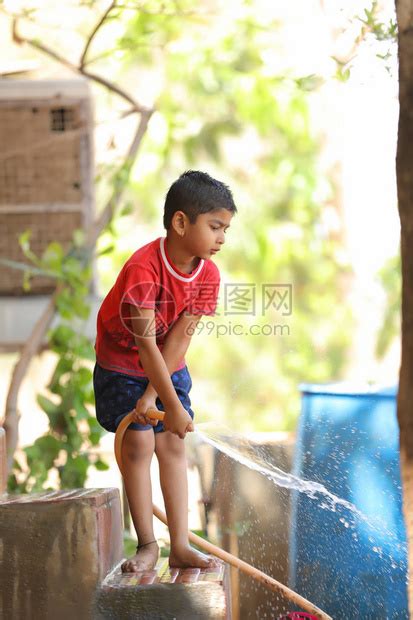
x,y
56,547
165,594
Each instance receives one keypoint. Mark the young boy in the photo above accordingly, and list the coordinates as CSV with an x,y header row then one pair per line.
x,y
144,329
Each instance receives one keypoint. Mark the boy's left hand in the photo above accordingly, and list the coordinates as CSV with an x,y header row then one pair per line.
x,y
178,421
142,405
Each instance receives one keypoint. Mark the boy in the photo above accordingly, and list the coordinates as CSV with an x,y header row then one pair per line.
x,y
144,329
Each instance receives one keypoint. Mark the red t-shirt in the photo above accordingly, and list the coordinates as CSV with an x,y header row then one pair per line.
x,y
149,279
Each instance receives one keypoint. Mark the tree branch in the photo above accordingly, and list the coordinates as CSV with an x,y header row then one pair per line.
x,y
94,32
108,52
108,212
17,38
115,89
30,348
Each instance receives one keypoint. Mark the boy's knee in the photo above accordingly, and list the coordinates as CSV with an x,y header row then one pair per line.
x,y
169,446
138,446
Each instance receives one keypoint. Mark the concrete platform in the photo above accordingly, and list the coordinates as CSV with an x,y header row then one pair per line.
x,y
60,558
55,548
165,594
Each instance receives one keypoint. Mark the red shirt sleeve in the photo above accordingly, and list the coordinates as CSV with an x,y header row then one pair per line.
x,y
207,299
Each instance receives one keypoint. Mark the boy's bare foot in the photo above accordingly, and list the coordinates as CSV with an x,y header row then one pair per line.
x,y
189,558
144,559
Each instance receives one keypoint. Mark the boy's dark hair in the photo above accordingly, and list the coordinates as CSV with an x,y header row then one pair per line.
x,y
194,193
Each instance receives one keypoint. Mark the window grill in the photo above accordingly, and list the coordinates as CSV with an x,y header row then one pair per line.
x,y
45,170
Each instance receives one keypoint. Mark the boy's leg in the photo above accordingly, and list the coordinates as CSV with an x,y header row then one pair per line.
x,y
137,453
170,451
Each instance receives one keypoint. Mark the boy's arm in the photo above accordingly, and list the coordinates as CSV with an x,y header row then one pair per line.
x,y
176,345
143,320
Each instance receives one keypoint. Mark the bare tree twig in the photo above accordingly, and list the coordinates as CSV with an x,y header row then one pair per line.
x,y
108,212
94,32
115,89
141,46
10,150
105,54
29,350
17,38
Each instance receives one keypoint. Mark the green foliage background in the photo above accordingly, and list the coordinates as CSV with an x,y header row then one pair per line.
x,y
219,95
222,105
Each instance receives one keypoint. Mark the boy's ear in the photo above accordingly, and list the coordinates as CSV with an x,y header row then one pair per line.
x,y
179,222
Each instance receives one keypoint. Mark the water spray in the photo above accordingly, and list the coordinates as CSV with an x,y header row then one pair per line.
x,y
266,580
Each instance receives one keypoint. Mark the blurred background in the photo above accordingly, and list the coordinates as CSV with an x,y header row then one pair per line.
x,y
294,105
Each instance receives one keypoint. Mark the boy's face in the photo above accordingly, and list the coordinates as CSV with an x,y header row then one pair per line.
x,y
205,237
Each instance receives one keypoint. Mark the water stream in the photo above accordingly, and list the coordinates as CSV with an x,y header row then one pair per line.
x,y
253,457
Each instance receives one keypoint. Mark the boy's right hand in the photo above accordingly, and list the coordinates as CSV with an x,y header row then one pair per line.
x,y
178,421
142,405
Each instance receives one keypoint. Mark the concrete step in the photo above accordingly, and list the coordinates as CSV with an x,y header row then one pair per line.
x,y
60,558
165,594
56,547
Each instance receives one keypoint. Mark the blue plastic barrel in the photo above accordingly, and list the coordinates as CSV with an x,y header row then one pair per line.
x,y
354,566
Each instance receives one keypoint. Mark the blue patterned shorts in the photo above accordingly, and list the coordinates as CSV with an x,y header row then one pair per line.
x,y
116,395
